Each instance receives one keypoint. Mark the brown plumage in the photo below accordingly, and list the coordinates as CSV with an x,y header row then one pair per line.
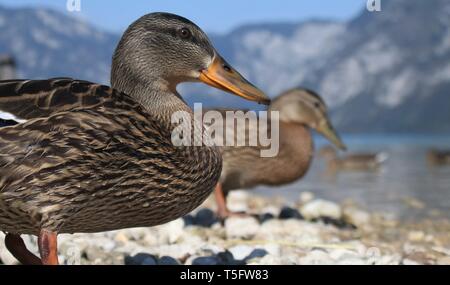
x,y
90,158
108,159
300,110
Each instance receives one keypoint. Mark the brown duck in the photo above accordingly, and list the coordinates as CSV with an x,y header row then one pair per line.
x,y
91,158
438,157
300,110
352,162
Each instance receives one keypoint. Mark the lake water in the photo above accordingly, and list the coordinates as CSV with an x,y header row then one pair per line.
x,y
405,187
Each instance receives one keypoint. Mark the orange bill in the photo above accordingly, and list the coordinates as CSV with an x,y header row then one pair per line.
x,y
224,77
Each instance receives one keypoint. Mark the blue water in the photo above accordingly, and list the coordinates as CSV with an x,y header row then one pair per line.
x,y
406,176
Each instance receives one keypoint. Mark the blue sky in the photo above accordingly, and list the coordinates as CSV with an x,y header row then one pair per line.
x,y
212,15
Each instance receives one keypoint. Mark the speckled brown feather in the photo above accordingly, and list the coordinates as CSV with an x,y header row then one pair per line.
x,y
91,159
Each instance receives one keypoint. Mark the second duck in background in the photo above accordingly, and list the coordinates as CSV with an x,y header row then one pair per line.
x,y
366,162
300,111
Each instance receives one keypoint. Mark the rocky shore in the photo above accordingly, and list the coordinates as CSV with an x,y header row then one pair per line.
x,y
309,231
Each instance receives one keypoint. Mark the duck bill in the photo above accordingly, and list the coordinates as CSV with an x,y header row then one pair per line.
x,y
221,75
328,131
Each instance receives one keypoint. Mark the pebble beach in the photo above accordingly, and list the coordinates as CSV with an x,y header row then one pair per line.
x,y
310,231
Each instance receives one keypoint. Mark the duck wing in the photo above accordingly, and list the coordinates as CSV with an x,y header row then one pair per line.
x,y
22,100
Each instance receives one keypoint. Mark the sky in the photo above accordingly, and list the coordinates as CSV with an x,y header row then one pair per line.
x,y
218,16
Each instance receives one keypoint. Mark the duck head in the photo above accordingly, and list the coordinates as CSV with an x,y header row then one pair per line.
x,y
302,106
164,50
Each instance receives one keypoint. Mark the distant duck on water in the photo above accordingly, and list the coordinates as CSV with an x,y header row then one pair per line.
x,y
352,162
437,157
91,158
7,67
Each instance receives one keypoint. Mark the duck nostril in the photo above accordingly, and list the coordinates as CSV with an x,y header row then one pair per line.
x,y
226,67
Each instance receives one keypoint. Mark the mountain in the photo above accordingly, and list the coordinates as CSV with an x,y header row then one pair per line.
x,y
47,43
385,71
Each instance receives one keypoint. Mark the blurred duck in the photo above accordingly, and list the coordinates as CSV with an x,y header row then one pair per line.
x,y
300,110
352,162
91,158
7,67
438,157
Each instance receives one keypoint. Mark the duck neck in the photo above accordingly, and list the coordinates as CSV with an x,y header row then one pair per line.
x,y
158,97
296,146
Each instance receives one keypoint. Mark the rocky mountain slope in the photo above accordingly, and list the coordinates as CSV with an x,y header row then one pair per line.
x,y
385,71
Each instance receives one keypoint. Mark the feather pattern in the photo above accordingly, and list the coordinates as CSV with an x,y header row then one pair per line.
x,y
89,151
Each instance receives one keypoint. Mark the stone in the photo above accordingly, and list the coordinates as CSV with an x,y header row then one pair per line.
x,y
241,252
306,197
294,231
173,230
356,217
443,260
266,260
177,251
416,236
387,260
407,261
321,208
167,260
141,259
289,213
442,250
241,227
265,217
238,202
316,257
205,218
206,260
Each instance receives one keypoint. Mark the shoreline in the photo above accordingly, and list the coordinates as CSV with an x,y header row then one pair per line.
x,y
313,231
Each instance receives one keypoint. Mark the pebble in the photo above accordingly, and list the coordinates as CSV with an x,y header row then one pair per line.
x,y
443,261
244,228
289,213
407,261
241,252
205,218
141,259
356,217
306,197
416,236
278,236
266,260
321,208
316,257
167,260
238,201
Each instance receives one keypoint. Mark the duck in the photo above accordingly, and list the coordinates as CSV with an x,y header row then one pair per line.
x,y
85,157
367,162
7,67
437,157
300,111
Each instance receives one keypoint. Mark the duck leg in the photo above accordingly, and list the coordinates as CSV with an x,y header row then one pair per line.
x,y
221,199
48,247
15,245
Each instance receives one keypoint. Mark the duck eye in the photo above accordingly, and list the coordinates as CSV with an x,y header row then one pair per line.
x,y
317,105
184,33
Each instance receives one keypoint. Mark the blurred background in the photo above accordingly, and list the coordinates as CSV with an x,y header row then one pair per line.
x,y
384,75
